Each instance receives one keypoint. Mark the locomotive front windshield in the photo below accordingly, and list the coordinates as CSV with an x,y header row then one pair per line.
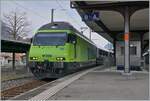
x,y
48,39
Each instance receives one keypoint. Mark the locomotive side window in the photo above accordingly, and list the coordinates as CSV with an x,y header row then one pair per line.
x,y
91,52
72,38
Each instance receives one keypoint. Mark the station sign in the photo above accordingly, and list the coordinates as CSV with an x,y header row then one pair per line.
x,y
108,46
90,16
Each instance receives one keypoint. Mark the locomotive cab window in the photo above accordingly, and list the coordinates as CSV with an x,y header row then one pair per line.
x,y
50,38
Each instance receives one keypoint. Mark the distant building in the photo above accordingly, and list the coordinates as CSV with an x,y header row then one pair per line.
x,y
6,58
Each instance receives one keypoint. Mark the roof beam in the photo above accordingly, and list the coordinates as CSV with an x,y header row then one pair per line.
x,y
132,31
110,6
103,26
99,22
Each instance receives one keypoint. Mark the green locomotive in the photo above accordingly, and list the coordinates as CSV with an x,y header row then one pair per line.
x,y
58,49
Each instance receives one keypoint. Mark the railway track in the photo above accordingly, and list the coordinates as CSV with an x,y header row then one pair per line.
x,y
14,91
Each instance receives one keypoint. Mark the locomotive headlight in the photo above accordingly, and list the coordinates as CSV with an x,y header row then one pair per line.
x,y
33,58
60,58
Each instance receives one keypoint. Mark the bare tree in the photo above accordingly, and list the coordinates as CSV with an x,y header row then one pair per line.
x,y
18,26
17,23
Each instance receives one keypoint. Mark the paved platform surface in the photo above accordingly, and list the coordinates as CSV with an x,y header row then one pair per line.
x,y
106,85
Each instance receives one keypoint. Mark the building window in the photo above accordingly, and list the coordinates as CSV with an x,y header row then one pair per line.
x,y
133,50
122,50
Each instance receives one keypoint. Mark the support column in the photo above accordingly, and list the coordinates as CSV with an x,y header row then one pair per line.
x,y
13,61
90,34
27,61
52,15
142,58
114,44
126,39
141,39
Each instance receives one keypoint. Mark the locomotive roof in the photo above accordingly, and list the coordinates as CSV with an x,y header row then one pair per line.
x,y
64,26
60,26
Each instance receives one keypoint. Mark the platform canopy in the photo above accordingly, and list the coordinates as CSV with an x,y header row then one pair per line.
x,y
8,45
111,16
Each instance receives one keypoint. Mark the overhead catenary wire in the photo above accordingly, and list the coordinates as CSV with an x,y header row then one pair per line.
x,y
44,18
67,13
58,2
74,20
30,10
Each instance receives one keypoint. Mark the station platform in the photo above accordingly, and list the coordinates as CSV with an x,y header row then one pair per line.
x,y
97,84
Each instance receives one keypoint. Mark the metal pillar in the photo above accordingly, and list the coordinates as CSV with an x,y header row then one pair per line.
x,y
114,44
141,39
27,62
52,15
126,39
13,61
90,34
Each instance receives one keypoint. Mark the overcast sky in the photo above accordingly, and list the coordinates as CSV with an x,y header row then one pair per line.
x,y
39,11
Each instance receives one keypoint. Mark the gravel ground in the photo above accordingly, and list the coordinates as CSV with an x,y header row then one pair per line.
x,y
10,78
12,83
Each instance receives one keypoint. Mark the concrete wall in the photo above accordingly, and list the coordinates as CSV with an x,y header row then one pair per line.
x,y
135,60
